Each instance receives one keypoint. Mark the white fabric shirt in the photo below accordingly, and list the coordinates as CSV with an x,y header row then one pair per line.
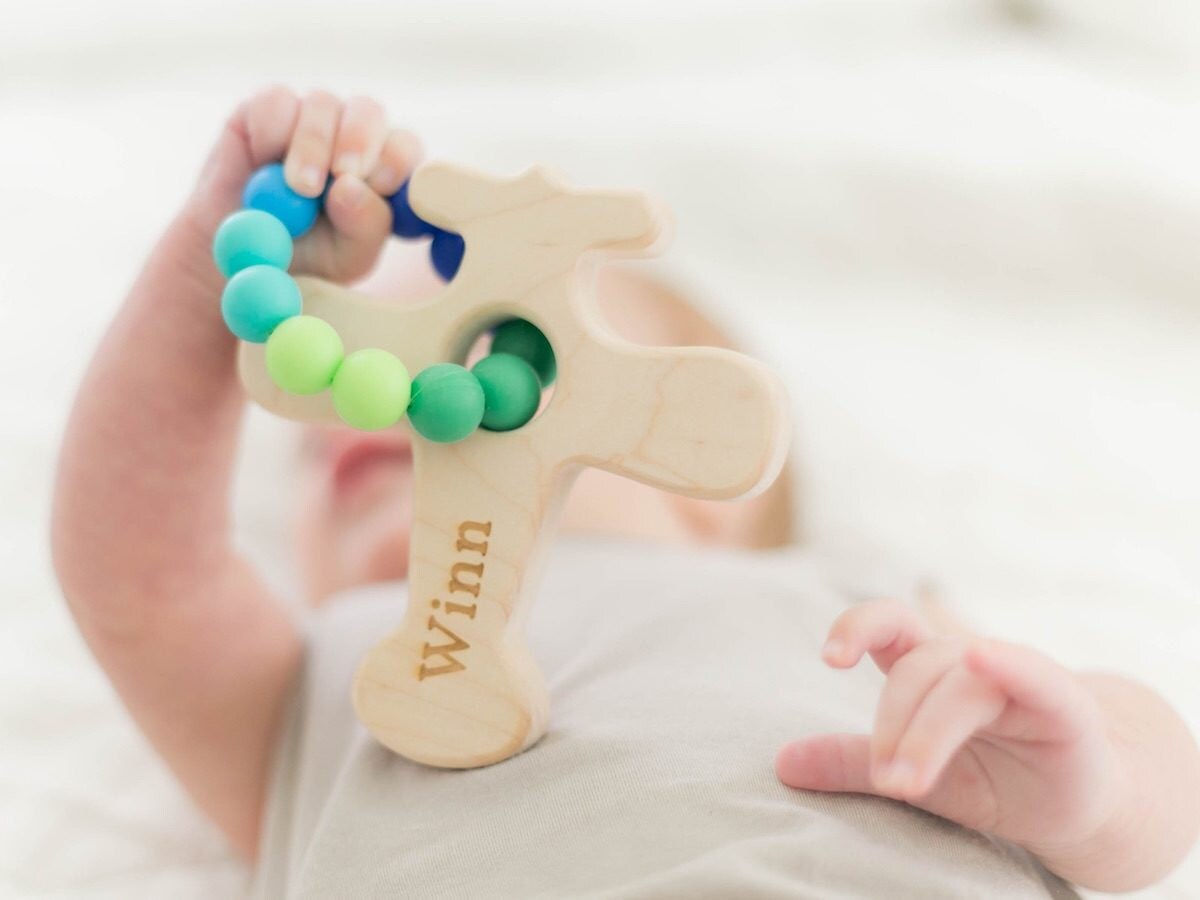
x,y
674,678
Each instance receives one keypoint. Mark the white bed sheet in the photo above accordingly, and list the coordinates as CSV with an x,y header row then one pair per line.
x,y
965,232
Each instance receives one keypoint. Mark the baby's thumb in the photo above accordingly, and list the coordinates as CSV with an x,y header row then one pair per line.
x,y
827,762
361,222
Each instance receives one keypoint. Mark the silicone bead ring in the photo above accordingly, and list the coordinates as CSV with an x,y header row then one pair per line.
x,y
370,388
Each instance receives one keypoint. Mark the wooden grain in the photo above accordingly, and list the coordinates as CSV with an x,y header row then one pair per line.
x,y
454,685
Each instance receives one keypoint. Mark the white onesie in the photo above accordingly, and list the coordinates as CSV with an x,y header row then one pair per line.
x,y
675,675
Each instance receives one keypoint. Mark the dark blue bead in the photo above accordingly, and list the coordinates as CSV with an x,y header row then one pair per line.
x,y
446,253
405,222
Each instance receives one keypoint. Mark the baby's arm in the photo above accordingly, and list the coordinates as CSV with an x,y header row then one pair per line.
x,y
1092,773
198,649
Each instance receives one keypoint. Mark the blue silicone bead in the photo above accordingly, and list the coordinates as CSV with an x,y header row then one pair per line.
x,y
446,253
257,299
267,190
405,222
251,237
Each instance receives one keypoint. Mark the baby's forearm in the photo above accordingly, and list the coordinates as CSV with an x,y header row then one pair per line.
x,y
198,649
1158,817
146,461
195,645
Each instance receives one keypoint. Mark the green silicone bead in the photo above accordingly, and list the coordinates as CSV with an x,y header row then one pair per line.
x,y
525,340
511,391
371,390
303,354
447,403
251,237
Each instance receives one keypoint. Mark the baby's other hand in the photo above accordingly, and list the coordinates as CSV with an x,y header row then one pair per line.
x,y
315,136
994,736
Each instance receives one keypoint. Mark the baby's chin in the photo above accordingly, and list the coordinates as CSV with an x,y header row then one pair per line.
x,y
372,541
383,559
348,540
349,564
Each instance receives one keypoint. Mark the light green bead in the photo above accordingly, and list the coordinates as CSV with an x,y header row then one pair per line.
x,y
251,237
371,390
511,392
303,354
447,403
525,340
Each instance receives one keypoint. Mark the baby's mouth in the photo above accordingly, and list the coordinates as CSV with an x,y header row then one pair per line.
x,y
354,459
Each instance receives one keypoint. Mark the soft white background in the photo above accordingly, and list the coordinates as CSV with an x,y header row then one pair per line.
x,y
965,231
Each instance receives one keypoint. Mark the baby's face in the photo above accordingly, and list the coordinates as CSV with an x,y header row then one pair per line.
x,y
356,500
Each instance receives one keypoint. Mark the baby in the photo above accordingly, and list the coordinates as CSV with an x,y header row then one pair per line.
x,y
679,648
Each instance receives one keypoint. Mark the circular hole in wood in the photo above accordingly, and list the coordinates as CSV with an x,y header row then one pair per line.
x,y
516,337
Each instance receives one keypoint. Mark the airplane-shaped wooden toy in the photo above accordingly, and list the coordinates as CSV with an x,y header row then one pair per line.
x,y
455,685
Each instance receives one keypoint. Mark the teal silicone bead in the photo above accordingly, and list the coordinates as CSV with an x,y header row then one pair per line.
x,y
251,238
303,355
525,340
447,403
511,391
256,300
371,390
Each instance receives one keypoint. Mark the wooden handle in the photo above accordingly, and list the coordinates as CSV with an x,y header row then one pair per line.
x,y
455,686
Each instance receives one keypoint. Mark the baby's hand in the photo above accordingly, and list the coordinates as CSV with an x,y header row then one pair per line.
x,y
315,137
993,736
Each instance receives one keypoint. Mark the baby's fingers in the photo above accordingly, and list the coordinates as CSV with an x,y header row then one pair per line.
x,y
958,706
269,118
828,762
360,221
360,137
1052,705
399,156
910,681
311,150
257,133
887,629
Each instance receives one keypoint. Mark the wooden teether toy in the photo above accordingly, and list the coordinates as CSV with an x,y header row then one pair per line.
x,y
454,685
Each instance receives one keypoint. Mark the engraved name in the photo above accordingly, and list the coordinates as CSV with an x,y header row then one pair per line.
x,y
466,577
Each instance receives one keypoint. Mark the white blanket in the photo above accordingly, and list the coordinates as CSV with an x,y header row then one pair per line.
x,y
965,232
